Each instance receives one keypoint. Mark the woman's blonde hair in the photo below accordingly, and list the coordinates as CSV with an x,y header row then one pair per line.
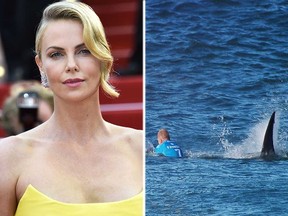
x,y
93,35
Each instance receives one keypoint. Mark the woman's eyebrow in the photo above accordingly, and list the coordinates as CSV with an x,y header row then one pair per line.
x,y
54,47
80,45
60,48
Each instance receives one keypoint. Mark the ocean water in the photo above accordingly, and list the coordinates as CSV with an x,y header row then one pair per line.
x,y
215,72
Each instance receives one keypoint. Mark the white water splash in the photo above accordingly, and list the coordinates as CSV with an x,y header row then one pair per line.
x,y
251,146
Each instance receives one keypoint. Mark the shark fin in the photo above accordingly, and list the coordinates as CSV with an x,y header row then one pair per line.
x,y
268,146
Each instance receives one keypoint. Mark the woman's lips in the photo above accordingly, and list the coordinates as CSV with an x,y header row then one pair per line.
x,y
73,82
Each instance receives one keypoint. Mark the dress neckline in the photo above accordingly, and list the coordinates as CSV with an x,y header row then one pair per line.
x,y
34,191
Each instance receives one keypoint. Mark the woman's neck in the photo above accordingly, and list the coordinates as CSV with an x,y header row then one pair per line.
x,y
78,121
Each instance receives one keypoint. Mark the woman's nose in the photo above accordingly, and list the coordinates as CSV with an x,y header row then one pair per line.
x,y
71,64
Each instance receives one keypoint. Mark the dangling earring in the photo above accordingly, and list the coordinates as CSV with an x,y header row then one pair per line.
x,y
44,80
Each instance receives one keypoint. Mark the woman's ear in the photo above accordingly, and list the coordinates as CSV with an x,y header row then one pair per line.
x,y
44,79
38,62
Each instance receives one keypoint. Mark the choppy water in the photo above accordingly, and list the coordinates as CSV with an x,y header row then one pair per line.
x,y
215,72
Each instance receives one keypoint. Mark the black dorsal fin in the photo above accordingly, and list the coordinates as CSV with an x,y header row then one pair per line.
x,y
268,146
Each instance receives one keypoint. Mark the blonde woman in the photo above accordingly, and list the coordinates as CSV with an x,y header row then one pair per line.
x,y
75,163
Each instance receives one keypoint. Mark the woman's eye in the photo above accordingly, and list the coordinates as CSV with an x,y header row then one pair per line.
x,y
84,51
55,55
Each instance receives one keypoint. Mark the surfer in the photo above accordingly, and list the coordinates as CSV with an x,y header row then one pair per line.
x,y
166,147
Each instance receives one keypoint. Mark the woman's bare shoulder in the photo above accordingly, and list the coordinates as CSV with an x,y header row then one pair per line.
x,y
15,153
16,149
10,168
12,148
136,140
9,144
132,137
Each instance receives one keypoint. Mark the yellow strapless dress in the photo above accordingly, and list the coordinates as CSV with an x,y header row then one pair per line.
x,y
35,203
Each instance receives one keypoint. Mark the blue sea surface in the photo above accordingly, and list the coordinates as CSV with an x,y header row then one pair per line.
x,y
215,72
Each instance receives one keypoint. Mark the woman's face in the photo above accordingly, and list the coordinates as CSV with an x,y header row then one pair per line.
x,y
73,72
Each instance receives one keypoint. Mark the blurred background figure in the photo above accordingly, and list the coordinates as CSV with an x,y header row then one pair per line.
x,y
28,106
3,67
18,22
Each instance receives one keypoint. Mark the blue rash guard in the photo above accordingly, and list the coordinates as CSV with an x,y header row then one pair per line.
x,y
169,149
